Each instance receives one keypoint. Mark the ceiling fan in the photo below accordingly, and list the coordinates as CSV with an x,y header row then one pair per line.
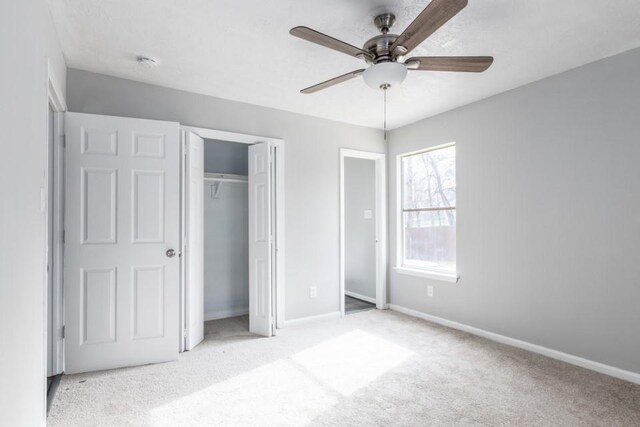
x,y
385,52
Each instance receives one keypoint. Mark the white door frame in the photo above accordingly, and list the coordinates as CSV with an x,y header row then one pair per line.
x,y
56,101
279,219
381,224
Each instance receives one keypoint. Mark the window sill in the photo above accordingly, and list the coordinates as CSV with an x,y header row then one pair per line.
x,y
443,277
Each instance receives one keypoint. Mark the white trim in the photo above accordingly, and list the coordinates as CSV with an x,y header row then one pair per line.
x,y
426,150
382,250
398,211
248,139
56,97
58,243
630,376
427,274
381,224
280,236
311,319
359,154
55,101
360,297
224,314
243,138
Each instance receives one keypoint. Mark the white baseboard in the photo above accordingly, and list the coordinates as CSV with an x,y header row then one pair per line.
x,y
318,318
223,314
633,377
360,297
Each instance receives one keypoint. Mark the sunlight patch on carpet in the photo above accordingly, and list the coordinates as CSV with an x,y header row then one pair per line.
x,y
252,398
351,361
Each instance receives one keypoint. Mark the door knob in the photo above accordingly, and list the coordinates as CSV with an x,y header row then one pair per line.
x,y
171,253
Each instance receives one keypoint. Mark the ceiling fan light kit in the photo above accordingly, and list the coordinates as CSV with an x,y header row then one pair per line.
x,y
384,75
385,52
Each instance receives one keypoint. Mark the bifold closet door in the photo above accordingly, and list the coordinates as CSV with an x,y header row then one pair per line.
x,y
194,245
121,285
260,240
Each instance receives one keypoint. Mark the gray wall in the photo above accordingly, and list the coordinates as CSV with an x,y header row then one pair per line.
x,y
548,213
27,41
226,250
311,168
226,157
360,233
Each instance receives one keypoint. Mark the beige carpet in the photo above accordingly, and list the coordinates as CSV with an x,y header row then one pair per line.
x,y
375,368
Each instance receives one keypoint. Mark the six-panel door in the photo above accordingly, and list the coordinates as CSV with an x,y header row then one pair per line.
x,y
260,240
122,217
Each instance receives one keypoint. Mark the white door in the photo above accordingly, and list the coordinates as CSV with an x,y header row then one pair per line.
x,y
194,242
122,238
260,238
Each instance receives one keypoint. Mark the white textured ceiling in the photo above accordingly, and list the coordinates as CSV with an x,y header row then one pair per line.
x,y
242,50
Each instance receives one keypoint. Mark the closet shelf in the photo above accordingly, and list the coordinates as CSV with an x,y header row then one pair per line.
x,y
224,177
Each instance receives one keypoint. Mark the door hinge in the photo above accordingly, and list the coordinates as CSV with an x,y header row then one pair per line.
x,y
64,331
64,140
64,236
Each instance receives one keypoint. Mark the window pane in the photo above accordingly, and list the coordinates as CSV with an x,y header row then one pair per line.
x,y
430,179
430,240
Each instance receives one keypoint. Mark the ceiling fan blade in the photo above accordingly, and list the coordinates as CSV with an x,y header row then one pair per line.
x,y
466,64
332,82
314,36
434,16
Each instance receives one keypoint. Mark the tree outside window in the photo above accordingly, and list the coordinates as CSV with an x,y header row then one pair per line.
x,y
429,209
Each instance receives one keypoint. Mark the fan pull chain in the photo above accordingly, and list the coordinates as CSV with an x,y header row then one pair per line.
x,y
384,90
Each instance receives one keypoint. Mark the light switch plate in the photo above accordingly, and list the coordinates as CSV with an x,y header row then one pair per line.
x,y
313,292
368,214
429,291
43,199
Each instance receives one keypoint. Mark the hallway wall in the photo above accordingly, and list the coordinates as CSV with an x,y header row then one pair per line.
x,y
28,43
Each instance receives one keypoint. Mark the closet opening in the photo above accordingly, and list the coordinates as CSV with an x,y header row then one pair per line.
x,y
226,236
233,235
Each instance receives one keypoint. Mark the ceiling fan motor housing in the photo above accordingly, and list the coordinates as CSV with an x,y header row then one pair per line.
x,y
380,46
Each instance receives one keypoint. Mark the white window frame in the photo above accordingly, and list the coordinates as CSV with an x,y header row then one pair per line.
x,y
400,267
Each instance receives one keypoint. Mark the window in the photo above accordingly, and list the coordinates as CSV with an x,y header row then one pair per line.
x,y
428,211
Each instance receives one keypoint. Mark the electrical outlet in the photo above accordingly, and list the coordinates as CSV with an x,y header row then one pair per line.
x,y
313,292
429,291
